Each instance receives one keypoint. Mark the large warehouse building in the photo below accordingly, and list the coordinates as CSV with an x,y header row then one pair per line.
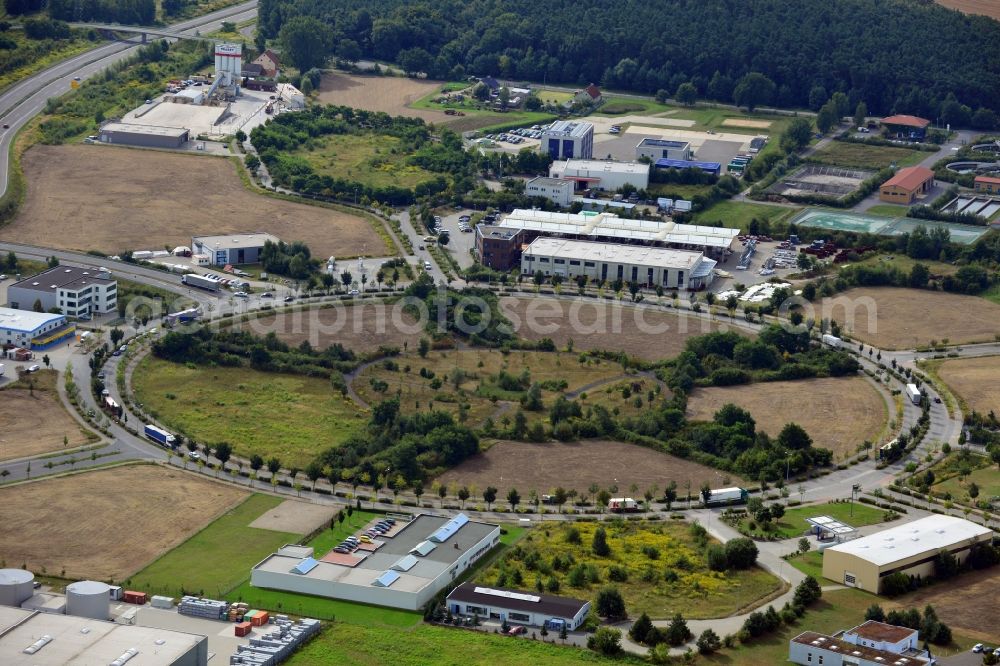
x,y
32,638
33,330
149,136
602,174
647,266
403,568
608,227
233,249
73,291
910,549
566,139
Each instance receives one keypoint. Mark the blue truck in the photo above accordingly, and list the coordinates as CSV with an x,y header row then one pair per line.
x,y
160,436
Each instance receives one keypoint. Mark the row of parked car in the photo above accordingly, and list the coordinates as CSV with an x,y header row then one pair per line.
x,y
351,543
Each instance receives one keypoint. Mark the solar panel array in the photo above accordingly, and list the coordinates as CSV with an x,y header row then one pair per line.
x,y
386,579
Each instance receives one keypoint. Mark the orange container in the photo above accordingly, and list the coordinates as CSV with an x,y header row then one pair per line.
x,y
243,628
132,597
260,619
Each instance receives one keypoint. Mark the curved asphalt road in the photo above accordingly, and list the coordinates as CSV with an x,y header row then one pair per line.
x,y
24,100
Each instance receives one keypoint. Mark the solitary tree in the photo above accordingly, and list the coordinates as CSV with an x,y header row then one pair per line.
x,y
489,496
463,494
514,498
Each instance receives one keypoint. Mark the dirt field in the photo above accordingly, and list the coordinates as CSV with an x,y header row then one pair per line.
x,y
114,199
106,524
601,325
359,328
391,94
542,467
37,423
951,601
296,517
974,380
893,318
755,124
815,404
985,7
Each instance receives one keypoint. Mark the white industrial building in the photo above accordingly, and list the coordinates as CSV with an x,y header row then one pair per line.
x,y
32,330
602,174
870,644
31,638
647,266
558,191
608,227
534,610
233,249
656,149
566,139
73,291
909,549
403,568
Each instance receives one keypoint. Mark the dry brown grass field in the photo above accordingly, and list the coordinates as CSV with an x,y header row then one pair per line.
x,y
35,422
598,324
952,603
359,328
113,199
108,523
893,318
975,380
838,413
989,8
575,466
391,94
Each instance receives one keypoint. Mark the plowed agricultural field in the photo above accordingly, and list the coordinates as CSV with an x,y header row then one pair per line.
x,y
391,94
109,523
113,199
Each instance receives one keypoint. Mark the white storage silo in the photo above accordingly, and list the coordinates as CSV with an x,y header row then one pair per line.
x,y
89,598
16,586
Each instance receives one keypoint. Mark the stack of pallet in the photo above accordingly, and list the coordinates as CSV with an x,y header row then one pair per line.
x,y
162,602
207,608
277,645
237,611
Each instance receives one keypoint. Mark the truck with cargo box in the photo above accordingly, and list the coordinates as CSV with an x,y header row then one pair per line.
x,y
913,393
832,340
206,282
159,435
622,505
726,496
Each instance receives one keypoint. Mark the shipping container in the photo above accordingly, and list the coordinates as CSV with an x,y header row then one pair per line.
x,y
132,597
260,619
243,628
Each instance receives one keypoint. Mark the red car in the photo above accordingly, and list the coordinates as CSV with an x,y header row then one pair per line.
x,y
516,631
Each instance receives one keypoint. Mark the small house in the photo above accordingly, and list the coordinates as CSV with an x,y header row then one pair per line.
x,y
269,63
589,95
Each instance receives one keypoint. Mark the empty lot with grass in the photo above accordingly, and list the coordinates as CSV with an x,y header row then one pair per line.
x,y
597,324
893,318
293,417
109,523
974,380
577,465
818,405
113,199
360,328
391,94
34,419
376,160
844,154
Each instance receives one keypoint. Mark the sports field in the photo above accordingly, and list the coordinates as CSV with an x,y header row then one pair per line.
x,y
886,226
106,524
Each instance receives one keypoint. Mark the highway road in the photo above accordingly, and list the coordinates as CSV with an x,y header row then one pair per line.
x,y
23,101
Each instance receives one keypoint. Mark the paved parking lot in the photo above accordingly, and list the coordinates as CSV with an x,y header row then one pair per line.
x,y
222,640
963,659
459,244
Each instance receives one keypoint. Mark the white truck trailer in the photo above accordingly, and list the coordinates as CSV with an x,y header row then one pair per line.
x,y
913,393
622,505
832,341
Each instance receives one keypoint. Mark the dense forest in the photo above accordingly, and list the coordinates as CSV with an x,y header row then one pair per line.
x,y
899,56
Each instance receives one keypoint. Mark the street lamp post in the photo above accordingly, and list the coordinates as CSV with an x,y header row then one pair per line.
x,y
856,488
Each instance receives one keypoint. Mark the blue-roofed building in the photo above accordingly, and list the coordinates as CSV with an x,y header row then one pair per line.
x,y
402,568
33,330
656,149
710,167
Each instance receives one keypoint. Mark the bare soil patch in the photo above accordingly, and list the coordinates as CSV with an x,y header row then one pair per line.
x,y
35,422
296,517
647,334
737,122
108,523
359,328
114,199
391,94
542,467
975,380
985,7
892,318
951,600
838,413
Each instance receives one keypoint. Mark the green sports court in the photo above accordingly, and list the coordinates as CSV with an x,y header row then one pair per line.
x,y
860,223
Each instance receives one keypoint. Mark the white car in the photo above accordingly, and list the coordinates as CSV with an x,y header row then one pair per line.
x,y
354,292
3,277
34,368
977,648
241,294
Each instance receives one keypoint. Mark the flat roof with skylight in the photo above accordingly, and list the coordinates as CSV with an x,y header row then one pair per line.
x,y
929,534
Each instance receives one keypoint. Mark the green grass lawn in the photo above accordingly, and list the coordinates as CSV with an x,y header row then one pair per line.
x,y
480,119
425,644
906,264
650,553
959,470
793,523
841,153
292,417
737,214
553,96
373,159
676,191
811,564
889,210
992,294
217,558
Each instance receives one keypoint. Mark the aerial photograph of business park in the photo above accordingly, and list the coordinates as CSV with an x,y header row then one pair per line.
x,y
405,333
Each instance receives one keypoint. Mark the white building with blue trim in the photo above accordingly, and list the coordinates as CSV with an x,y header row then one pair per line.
x,y
32,330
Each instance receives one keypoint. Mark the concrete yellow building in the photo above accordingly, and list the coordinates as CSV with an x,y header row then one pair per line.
x,y
911,548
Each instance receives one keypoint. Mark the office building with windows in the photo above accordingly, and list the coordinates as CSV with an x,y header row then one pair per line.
x,y
568,139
